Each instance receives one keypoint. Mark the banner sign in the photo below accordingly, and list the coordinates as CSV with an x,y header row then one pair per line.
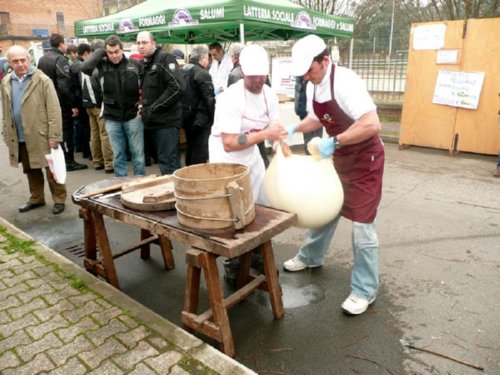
x,y
141,17
283,82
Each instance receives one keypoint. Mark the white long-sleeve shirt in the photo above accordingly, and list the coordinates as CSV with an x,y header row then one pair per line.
x,y
219,71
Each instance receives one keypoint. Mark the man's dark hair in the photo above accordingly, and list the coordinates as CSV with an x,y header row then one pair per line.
x,y
112,41
215,45
96,44
56,39
82,48
320,57
72,48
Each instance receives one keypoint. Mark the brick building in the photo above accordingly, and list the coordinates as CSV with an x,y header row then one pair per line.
x,y
23,22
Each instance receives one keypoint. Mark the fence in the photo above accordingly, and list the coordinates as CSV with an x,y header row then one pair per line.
x,y
385,78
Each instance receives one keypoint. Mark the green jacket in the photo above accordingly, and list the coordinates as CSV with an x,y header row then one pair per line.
x,y
41,115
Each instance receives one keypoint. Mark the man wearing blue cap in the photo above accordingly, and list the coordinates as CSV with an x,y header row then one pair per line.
x,y
337,99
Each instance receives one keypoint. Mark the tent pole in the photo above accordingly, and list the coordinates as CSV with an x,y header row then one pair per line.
x,y
242,33
351,48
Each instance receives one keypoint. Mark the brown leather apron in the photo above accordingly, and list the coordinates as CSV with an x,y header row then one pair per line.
x,y
359,166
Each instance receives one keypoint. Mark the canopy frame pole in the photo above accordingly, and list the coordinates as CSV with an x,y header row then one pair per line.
x,y
351,49
242,33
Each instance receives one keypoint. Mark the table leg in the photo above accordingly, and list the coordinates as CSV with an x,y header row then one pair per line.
x,y
216,298
145,249
215,322
244,272
192,284
89,237
274,289
107,257
166,252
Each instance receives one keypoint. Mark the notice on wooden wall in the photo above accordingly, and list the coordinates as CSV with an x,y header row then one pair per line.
x,y
427,37
458,89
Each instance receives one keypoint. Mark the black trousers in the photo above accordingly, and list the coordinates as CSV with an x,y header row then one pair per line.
x,y
196,144
67,127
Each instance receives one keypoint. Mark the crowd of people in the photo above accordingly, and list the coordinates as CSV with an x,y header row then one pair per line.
x,y
137,106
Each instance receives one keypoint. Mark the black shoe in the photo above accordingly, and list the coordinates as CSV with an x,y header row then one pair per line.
x,y
100,168
109,171
58,208
30,206
147,162
74,166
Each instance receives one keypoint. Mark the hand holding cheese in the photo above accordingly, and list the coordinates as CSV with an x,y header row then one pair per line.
x,y
306,186
291,129
322,147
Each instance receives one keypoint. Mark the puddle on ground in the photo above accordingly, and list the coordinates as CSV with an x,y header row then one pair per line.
x,y
294,297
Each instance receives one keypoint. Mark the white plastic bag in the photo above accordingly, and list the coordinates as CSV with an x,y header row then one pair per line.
x,y
57,164
305,186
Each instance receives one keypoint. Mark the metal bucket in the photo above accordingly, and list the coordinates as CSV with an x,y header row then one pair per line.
x,y
214,196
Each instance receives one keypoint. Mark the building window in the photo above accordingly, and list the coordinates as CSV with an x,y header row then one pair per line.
x,y
4,18
61,27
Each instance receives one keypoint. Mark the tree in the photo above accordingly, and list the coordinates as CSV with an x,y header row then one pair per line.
x,y
441,10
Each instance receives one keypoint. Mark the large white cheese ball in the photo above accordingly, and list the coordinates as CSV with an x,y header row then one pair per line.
x,y
306,186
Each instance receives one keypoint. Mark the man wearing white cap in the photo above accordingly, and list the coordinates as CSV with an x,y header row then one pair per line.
x,y
338,100
246,114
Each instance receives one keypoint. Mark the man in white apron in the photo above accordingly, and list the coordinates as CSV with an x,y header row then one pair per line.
x,y
246,114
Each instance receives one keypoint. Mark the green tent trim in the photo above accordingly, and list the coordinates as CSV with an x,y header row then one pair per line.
x,y
206,21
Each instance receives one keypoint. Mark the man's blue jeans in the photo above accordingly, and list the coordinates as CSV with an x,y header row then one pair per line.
x,y
166,141
364,277
120,133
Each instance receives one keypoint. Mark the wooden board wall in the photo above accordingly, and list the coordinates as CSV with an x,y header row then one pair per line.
x,y
479,130
433,125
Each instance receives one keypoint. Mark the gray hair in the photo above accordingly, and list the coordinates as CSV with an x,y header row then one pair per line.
x,y
198,52
96,44
235,49
17,48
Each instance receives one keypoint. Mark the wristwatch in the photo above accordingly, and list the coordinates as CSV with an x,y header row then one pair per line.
x,y
336,143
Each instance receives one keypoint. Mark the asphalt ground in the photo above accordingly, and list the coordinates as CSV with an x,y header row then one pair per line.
x,y
439,232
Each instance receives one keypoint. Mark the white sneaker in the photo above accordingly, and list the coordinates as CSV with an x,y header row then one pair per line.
x,y
295,264
355,305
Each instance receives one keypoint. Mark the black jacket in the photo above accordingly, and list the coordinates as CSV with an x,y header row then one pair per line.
x,y
162,91
198,101
91,90
76,76
300,97
121,84
55,65
235,75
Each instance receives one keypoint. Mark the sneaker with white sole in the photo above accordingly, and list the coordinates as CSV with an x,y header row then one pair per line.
x,y
355,305
295,264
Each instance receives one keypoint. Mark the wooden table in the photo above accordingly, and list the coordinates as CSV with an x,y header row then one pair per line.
x,y
161,227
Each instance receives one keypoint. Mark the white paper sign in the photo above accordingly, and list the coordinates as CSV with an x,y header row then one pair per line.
x,y
427,37
283,82
458,89
447,56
